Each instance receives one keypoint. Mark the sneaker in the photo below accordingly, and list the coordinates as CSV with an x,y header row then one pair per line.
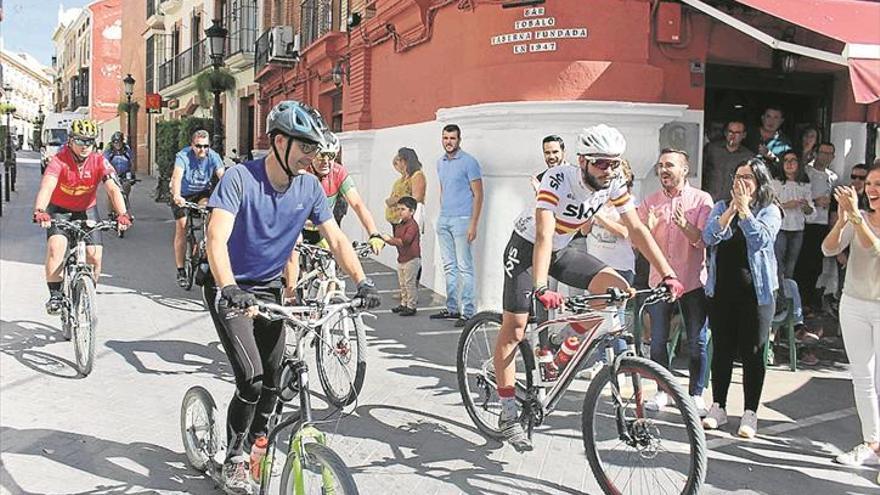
x,y
445,315
809,359
514,434
407,311
236,476
748,425
461,321
658,402
590,372
715,418
398,308
701,405
860,455
181,278
55,302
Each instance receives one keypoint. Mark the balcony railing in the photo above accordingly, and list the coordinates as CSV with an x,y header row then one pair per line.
x,y
153,7
184,65
317,19
242,25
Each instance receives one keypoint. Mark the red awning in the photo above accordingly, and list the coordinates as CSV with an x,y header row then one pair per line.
x,y
854,22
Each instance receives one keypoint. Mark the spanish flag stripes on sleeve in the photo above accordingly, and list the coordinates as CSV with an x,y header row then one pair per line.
x,y
547,200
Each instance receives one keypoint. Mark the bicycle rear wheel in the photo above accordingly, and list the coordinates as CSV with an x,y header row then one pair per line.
x,y
341,359
321,471
662,452
476,372
85,325
200,431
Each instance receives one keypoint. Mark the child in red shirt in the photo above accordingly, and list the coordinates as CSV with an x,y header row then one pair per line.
x,y
409,255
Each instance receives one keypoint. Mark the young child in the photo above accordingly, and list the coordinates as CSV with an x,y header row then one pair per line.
x,y
409,252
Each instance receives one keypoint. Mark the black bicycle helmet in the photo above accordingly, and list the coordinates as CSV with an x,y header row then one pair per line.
x,y
297,121
117,137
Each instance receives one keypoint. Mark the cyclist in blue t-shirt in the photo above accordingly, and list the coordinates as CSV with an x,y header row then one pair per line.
x,y
119,155
257,213
194,168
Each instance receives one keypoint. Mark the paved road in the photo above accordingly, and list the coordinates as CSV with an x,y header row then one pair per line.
x,y
116,432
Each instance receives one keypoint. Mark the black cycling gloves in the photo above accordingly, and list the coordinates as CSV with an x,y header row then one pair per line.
x,y
237,297
366,291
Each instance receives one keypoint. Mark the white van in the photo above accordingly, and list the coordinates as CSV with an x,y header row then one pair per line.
x,y
55,128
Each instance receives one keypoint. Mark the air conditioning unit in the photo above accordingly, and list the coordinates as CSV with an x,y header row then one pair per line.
x,y
283,44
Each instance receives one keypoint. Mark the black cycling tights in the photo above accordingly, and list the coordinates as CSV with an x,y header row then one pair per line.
x,y
255,348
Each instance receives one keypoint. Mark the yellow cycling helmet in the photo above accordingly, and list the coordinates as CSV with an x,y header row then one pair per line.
x,y
84,129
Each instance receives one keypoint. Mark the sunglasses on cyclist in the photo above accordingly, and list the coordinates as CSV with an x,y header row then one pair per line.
x,y
603,163
202,146
308,148
858,177
83,142
327,155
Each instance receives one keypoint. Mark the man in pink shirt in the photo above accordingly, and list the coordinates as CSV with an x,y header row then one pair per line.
x,y
676,216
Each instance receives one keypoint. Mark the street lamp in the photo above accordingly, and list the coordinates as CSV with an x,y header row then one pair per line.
x,y
128,88
10,153
41,118
216,35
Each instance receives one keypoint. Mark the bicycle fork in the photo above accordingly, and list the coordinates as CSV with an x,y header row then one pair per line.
x,y
623,426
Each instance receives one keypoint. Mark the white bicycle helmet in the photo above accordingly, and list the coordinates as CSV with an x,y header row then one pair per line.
x,y
601,140
331,144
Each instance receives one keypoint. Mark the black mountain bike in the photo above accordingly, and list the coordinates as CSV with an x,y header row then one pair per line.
x,y
79,320
630,449
195,251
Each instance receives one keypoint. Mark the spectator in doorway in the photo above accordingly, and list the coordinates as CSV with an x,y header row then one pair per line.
x,y
461,202
411,183
768,140
740,286
676,216
409,255
809,145
810,264
860,308
554,154
721,157
792,188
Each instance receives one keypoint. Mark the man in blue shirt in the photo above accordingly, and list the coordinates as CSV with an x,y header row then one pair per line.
x,y
257,213
461,201
119,155
194,167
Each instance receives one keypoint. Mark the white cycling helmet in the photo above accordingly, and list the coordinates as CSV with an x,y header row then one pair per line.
x,y
601,140
331,144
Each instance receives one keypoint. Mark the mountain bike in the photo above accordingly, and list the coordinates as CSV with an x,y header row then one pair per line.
x,y
310,465
629,449
125,183
79,320
195,250
318,274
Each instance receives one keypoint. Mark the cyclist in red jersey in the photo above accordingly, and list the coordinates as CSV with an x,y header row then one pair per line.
x,y
69,191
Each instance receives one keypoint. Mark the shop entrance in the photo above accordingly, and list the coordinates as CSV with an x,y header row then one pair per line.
x,y
744,93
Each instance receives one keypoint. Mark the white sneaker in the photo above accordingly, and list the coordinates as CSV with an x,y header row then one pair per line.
x,y
591,372
860,455
748,425
715,418
658,402
701,405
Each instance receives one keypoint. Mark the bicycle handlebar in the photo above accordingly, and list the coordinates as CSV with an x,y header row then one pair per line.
x,y
195,207
614,295
272,311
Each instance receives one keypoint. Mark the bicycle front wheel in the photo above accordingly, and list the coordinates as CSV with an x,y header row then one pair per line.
x,y
188,257
320,471
656,452
476,372
341,359
86,322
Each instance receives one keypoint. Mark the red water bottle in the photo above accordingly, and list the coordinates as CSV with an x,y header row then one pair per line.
x,y
549,372
258,453
566,351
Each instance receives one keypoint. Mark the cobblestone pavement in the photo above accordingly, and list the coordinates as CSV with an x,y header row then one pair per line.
x,y
117,431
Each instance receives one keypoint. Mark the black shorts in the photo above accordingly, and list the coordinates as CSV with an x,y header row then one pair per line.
x,y
312,237
180,212
570,265
56,212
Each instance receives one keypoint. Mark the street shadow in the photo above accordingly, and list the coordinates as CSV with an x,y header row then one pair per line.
x,y
208,359
431,444
23,339
139,467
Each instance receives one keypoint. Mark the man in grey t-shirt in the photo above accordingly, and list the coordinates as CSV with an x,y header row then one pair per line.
x,y
721,158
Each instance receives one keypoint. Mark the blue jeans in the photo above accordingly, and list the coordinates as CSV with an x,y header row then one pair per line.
x,y
788,248
693,308
458,264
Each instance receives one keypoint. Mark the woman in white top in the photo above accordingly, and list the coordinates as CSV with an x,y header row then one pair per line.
x,y
860,307
794,193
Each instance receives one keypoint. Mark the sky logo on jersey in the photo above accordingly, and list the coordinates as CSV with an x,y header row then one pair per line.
x,y
580,212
